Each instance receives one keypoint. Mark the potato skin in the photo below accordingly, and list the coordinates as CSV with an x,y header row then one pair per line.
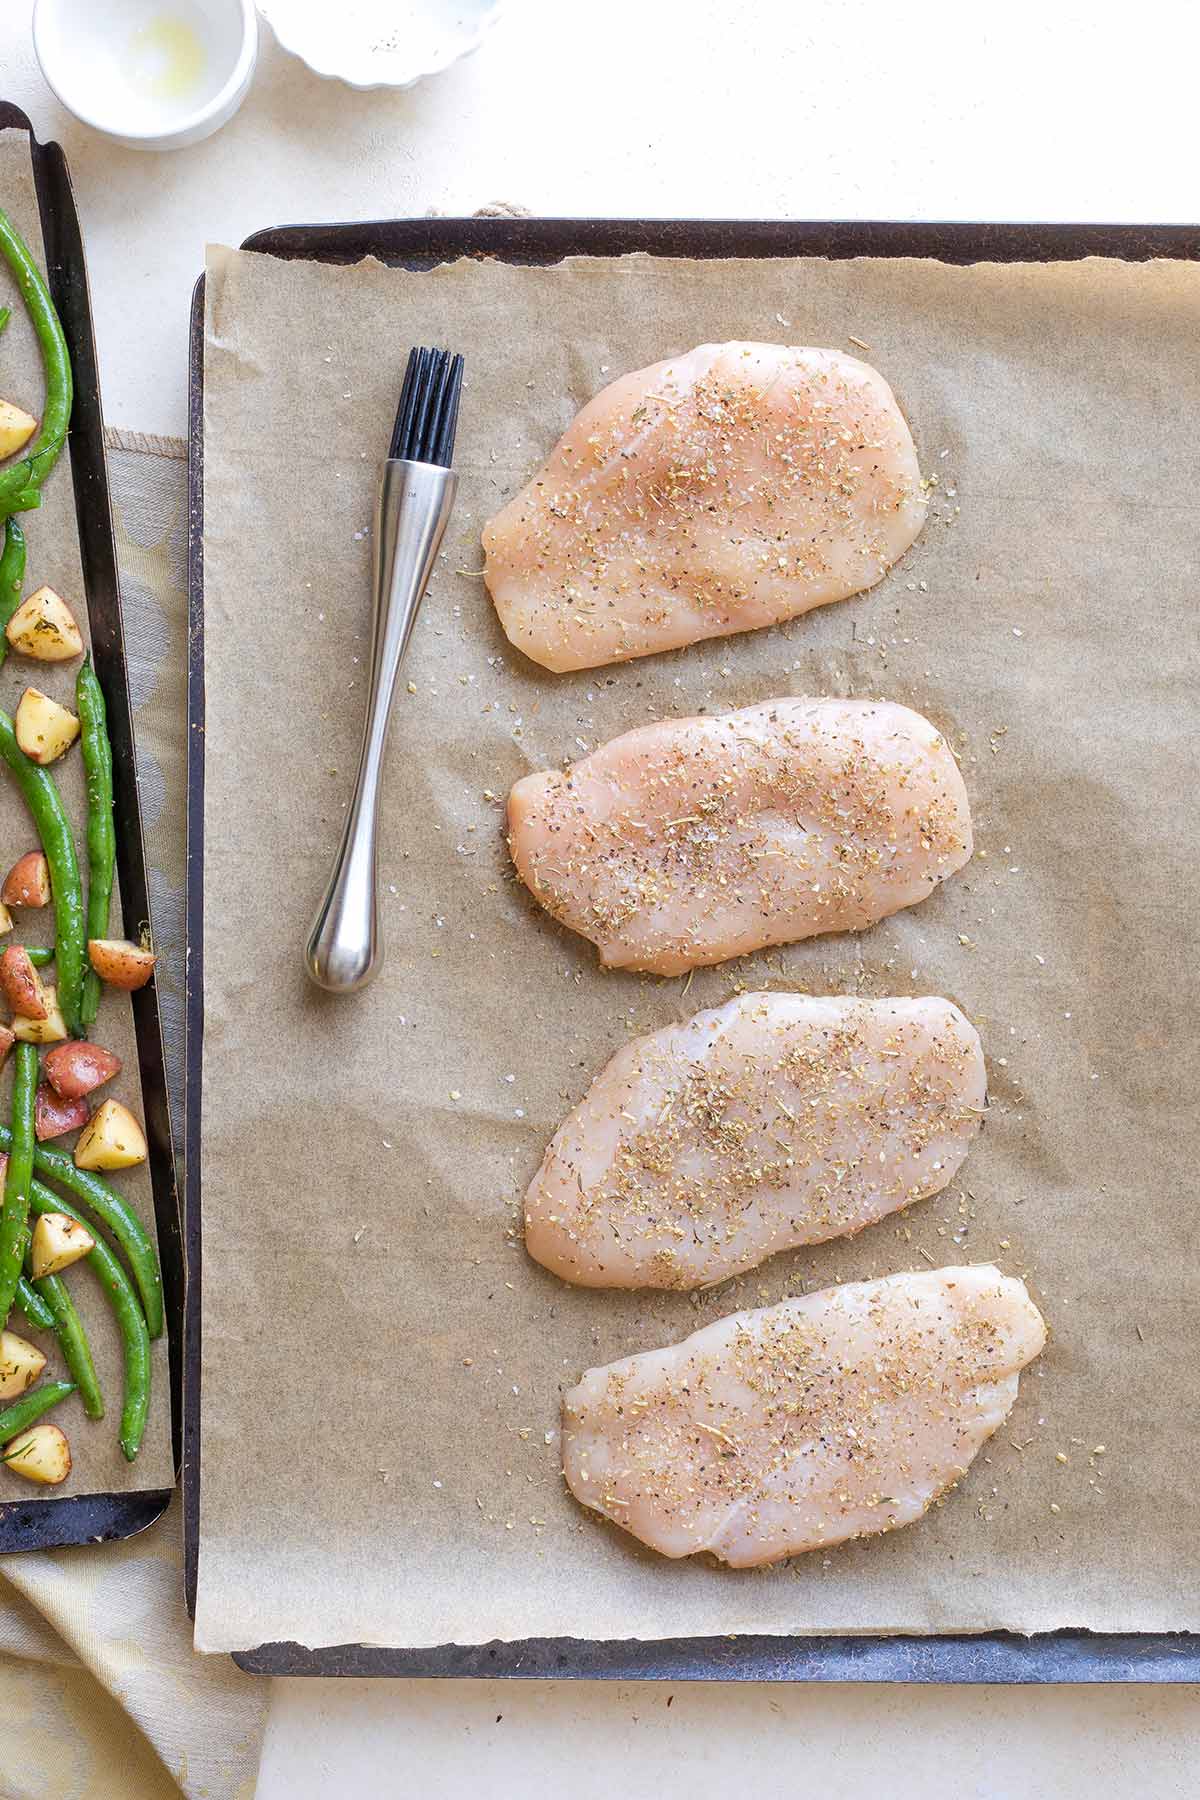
x,y
78,1068
54,1117
21,984
28,881
50,1030
121,963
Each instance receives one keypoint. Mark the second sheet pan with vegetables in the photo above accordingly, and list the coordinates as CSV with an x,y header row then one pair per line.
x,y
82,1316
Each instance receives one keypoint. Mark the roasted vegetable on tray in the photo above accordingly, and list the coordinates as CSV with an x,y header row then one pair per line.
x,y
101,835
19,485
44,1236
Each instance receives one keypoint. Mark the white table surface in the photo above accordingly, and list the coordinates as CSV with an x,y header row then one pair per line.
x,y
1034,109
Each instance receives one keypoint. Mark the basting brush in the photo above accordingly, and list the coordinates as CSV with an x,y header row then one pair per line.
x,y
416,492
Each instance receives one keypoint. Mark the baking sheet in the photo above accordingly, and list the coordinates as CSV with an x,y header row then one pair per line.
x,y
1045,638
98,1467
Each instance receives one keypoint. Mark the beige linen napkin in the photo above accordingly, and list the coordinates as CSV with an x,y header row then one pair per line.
x,y
101,1694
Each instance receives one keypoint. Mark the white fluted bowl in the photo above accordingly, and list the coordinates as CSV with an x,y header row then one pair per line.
x,y
380,43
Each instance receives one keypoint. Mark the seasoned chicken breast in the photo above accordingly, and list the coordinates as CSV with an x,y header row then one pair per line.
x,y
734,486
794,1427
693,840
771,1121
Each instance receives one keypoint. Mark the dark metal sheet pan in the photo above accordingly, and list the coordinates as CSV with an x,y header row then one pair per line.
x,y
1073,1656
89,1518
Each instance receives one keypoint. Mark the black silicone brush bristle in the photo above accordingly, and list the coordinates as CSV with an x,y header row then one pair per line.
x,y
428,409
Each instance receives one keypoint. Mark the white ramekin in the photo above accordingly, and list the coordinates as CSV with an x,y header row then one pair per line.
x,y
153,74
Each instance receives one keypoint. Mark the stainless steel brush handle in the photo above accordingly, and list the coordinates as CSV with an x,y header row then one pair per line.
x,y
415,498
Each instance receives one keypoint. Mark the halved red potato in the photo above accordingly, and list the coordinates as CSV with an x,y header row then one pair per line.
x,y
57,1242
121,963
28,881
113,1139
40,1454
53,1116
21,984
50,1030
20,1365
44,628
76,1069
6,920
7,1040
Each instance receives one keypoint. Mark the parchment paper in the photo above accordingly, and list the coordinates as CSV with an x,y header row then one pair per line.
x,y
382,1364
97,1465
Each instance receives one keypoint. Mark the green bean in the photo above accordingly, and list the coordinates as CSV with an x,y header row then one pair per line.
x,y
27,501
117,1214
38,954
128,1314
77,1352
31,1406
42,798
115,1211
18,1175
101,834
5,316
33,1306
26,476
12,574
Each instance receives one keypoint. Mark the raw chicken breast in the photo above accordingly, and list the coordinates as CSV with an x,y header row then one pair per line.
x,y
772,1121
735,486
792,1428
693,840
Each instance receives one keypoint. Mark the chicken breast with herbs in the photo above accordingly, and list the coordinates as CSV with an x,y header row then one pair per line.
x,y
731,487
772,1121
838,1415
692,840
